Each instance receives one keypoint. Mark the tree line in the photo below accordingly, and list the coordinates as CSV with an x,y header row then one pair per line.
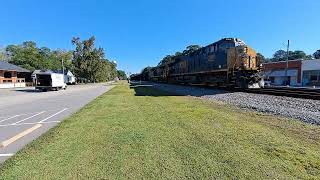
x,y
87,62
169,59
282,55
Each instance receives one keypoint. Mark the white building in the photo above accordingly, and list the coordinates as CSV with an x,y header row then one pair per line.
x,y
299,73
310,72
69,77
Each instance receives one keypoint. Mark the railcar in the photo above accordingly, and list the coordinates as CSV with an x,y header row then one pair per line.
x,y
228,63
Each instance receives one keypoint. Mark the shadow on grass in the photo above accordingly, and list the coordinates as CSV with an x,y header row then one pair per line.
x,y
150,90
155,89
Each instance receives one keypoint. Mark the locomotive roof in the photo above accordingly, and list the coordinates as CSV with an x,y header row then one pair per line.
x,y
237,41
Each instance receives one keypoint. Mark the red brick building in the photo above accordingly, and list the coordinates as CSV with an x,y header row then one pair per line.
x,y
12,76
275,72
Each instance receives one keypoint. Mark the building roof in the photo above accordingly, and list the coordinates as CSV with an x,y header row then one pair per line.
x,y
42,72
66,72
11,67
276,62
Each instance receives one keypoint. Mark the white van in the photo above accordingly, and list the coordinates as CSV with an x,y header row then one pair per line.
x,y
45,81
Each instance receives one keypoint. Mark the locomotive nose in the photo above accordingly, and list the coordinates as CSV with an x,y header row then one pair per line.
x,y
248,58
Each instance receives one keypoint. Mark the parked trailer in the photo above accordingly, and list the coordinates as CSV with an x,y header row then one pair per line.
x,y
49,81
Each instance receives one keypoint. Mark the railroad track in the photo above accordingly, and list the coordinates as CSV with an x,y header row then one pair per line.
x,y
306,93
297,92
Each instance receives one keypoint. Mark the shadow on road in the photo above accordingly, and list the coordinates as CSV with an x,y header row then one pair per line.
x,y
28,90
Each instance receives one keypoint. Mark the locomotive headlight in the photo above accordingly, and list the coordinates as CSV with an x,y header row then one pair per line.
x,y
244,64
245,50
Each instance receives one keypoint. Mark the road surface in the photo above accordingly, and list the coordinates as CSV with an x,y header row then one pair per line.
x,y
25,114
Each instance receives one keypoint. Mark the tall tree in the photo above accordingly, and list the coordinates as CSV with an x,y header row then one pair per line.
x,y
29,56
121,74
107,71
87,58
297,55
178,54
190,49
279,55
261,58
316,55
167,60
57,56
2,56
26,55
89,61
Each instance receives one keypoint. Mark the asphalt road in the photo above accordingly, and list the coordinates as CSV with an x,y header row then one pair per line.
x,y
25,114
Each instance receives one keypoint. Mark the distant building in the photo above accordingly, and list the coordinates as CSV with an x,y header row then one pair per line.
x,y
12,76
300,72
311,72
275,72
69,78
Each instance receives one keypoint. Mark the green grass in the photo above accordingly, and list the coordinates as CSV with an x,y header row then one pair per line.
x,y
145,133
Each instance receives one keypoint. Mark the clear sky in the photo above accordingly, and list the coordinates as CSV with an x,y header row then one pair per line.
x,y
138,33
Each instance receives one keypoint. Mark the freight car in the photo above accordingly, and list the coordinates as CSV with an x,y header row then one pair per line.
x,y
228,63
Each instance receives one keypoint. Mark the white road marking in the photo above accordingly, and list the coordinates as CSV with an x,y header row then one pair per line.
x,y
9,118
29,117
53,115
24,114
21,124
19,136
41,123
6,155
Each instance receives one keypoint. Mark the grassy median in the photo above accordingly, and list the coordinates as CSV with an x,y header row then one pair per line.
x,y
144,133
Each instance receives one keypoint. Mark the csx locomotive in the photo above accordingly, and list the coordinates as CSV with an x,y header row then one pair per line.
x,y
226,63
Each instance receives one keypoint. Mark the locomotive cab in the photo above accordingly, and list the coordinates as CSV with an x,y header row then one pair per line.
x,y
242,63
247,58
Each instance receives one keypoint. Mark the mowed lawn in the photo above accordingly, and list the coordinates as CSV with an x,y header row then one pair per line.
x,y
144,133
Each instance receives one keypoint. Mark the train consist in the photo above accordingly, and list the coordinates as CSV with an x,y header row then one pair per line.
x,y
226,63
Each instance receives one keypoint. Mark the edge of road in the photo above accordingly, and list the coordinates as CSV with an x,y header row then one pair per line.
x,y
38,125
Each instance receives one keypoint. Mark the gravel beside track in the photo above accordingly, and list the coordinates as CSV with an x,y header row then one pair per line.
x,y
306,110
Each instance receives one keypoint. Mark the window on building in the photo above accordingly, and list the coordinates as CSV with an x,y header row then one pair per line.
x,y
271,79
313,78
7,75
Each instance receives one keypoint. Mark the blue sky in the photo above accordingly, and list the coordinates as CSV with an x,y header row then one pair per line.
x,y
139,33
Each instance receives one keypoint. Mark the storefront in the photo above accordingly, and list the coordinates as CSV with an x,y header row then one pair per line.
x,y
278,74
311,72
279,77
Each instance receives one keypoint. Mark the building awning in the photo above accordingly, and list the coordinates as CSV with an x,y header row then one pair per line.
x,y
281,73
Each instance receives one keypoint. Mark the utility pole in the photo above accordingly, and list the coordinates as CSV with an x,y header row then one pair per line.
x,y
63,70
287,66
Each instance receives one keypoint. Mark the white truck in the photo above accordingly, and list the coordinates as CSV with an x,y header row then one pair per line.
x,y
45,81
